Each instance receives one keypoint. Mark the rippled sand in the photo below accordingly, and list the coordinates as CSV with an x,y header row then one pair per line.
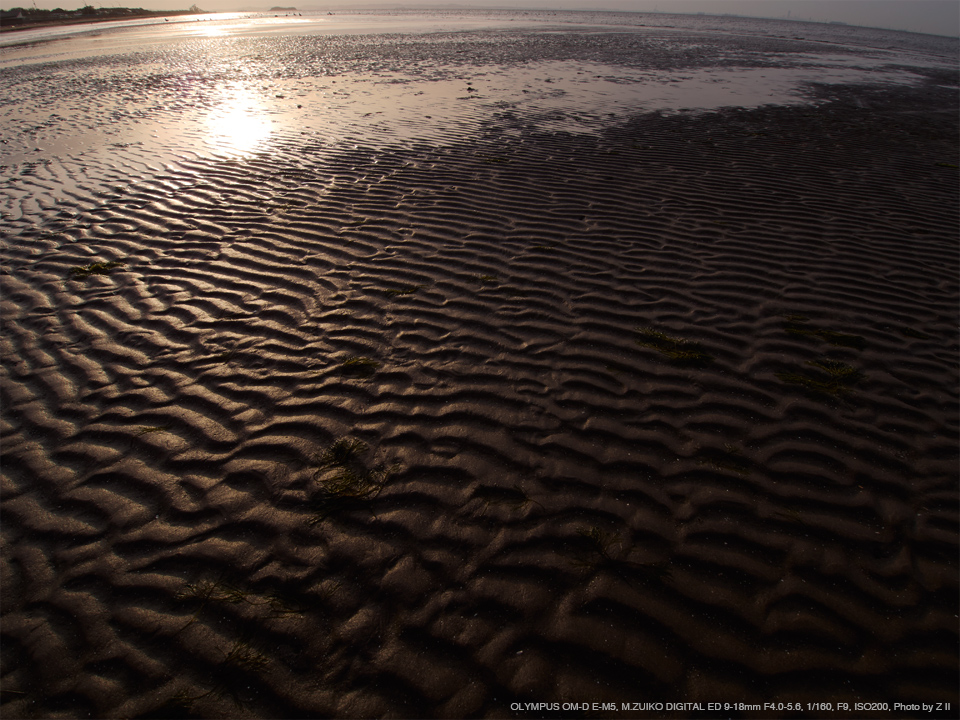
x,y
419,375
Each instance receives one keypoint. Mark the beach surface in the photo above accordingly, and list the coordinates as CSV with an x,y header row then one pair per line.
x,y
501,359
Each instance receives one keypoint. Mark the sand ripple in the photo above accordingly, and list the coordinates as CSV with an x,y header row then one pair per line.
x,y
667,413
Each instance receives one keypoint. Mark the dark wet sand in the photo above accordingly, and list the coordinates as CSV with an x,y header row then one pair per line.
x,y
663,414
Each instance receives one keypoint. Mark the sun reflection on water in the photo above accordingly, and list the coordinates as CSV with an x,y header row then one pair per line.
x,y
239,125
212,31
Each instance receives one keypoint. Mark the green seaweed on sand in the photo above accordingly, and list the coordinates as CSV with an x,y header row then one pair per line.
x,y
404,290
148,429
204,593
178,706
676,350
831,377
341,453
799,325
230,677
231,674
208,593
488,279
282,604
358,367
242,656
81,272
948,165
345,481
351,483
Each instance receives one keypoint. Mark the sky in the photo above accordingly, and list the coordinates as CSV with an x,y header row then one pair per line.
x,y
939,17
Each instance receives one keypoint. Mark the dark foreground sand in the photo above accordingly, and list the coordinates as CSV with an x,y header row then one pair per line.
x,y
662,414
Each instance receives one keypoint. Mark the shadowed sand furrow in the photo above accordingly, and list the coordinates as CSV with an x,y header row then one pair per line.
x,y
662,410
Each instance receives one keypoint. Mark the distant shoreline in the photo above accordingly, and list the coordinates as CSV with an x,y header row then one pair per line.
x,y
90,19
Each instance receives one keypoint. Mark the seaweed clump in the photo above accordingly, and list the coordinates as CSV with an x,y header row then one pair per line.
x,y
81,272
358,367
345,480
799,325
831,377
676,350
404,290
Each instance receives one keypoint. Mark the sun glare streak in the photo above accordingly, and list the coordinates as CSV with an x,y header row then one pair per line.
x,y
239,125
212,31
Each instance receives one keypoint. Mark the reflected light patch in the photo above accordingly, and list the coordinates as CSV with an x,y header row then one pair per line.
x,y
240,127
211,31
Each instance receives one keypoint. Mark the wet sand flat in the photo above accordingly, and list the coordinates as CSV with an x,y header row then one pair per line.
x,y
425,374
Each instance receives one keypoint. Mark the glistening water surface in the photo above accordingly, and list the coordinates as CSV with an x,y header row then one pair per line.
x,y
239,84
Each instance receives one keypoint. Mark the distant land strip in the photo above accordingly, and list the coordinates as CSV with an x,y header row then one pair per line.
x,y
28,19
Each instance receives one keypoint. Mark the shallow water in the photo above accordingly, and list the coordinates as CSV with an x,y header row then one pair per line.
x,y
400,21
240,84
